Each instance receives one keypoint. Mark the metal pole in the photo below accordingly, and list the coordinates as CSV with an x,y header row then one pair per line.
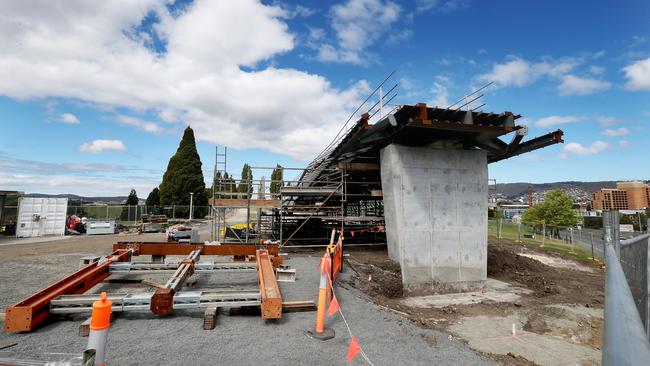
x,y
543,233
519,232
592,246
611,229
191,201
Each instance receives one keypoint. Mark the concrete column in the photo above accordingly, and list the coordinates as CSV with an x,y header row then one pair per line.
x,y
435,205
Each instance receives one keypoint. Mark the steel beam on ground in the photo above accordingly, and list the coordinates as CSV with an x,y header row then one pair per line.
x,y
130,268
140,302
27,314
162,302
163,248
271,298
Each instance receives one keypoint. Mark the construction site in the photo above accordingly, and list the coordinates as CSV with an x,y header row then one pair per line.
x,y
380,251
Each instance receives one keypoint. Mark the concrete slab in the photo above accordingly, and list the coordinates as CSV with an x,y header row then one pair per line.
x,y
496,291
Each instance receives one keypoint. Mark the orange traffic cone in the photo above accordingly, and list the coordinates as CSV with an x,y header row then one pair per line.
x,y
320,332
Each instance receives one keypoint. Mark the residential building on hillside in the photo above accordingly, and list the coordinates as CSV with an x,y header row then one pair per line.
x,y
626,196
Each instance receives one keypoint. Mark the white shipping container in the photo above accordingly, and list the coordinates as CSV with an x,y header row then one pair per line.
x,y
41,216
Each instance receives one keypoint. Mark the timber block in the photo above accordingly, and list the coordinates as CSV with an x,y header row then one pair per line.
x,y
210,317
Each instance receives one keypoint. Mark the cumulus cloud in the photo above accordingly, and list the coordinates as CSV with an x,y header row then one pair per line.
x,y
98,146
557,120
69,118
615,132
638,75
520,72
444,6
358,24
150,127
575,85
574,148
210,70
607,120
440,91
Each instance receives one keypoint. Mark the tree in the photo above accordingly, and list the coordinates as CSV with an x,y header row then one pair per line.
x,y
556,211
153,199
246,185
276,180
129,213
184,176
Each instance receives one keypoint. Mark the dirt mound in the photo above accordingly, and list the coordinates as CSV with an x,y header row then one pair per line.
x,y
377,275
504,264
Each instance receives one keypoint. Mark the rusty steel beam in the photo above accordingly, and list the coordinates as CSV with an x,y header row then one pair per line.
x,y
161,248
162,302
27,314
271,298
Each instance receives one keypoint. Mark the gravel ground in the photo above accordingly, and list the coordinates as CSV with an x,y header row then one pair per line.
x,y
142,339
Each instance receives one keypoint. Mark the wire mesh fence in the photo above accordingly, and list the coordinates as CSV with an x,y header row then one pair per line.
x,y
634,261
125,214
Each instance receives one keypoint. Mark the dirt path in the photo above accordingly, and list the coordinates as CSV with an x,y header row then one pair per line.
x,y
557,317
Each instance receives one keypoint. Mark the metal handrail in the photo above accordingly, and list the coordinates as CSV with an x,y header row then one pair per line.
x,y
635,239
624,339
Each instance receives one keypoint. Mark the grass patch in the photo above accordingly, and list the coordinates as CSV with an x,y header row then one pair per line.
x,y
510,235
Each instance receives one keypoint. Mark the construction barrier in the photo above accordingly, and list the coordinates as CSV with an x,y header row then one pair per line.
x,y
330,266
335,252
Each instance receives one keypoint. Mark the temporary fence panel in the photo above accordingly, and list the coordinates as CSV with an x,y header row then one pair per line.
x,y
41,216
634,261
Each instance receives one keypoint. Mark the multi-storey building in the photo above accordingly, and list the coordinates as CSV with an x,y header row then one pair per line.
x,y
626,196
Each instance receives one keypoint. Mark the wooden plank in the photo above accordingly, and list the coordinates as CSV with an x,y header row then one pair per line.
x,y
238,202
298,306
271,304
358,166
84,328
210,317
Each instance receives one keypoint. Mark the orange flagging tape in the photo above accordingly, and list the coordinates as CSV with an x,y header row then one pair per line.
x,y
354,348
334,307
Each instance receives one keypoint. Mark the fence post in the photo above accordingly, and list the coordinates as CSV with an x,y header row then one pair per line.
x,y
611,229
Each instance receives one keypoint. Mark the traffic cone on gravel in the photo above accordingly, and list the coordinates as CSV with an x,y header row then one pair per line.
x,y
99,324
320,332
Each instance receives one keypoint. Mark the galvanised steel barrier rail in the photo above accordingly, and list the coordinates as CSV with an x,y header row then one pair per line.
x,y
627,291
624,339
633,258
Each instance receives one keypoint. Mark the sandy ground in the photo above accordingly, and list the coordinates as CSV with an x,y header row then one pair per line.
x,y
141,339
554,305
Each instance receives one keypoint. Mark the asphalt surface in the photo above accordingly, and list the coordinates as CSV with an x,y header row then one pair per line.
x,y
142,339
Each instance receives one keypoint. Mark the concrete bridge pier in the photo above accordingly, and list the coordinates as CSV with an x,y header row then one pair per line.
x,y
435,207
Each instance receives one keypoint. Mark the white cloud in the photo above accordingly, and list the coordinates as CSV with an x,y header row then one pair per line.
x,y
596,70
607,120
358,24
519,72
98,146
624,144
440,92
85,186
69,118
575,85
87,51
638,75
444,6
575,148
150,127
622,131
516,72
557,120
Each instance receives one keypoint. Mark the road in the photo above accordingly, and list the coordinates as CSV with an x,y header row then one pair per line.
x,y
585,237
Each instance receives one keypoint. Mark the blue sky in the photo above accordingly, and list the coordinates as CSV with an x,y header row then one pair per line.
x,y
94,98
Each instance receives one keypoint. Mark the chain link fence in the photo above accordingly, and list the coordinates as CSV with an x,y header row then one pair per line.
x,y
634,261
127,215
